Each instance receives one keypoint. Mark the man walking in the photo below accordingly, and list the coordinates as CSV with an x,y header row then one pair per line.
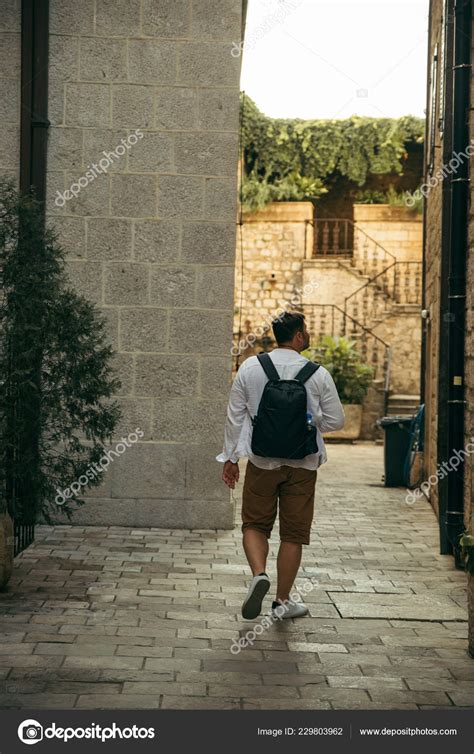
x,y
279,405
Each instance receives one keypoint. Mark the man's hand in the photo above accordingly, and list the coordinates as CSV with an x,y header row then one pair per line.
x,y
230,474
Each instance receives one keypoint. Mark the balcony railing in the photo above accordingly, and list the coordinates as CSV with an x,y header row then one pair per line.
x,y
333,237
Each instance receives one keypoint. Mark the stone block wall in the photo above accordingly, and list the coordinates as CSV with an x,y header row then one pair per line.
x,y
373,408
333,281
10,87
433,209
399,230
402,331
432,288
272,243
151,239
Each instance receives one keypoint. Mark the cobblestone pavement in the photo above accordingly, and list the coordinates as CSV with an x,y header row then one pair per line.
x,y
110,617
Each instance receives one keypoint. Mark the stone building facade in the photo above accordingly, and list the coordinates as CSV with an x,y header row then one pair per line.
x,y
149,91
397,229
449,369
278,266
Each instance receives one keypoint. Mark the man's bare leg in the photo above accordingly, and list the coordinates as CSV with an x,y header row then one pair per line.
x,y
256,550
288,563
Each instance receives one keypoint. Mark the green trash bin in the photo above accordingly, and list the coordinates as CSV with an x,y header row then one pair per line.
x,y
396,448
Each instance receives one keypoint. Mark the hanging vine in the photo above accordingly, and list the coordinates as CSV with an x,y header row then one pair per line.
x,y
295,159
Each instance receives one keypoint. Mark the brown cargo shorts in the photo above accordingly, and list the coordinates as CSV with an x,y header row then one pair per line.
x,y
288,488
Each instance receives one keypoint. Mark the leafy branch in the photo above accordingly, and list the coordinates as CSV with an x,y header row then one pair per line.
x,y
295,159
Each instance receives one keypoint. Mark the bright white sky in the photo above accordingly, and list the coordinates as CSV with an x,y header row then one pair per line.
x,y
315,59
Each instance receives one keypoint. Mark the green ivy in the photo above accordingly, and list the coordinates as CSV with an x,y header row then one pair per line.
x,y
412,200
294,159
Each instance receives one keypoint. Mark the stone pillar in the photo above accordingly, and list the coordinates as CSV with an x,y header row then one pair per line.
x,y
151,87
10,84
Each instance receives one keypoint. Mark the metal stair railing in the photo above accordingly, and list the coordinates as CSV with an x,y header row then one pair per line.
x,y
408,282
330,319
394,284
373,294
369,256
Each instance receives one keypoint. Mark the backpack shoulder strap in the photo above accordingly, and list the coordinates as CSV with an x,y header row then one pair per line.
x,y
268,366
305,373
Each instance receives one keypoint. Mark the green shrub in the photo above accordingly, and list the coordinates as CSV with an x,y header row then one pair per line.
x,y
411,200
56,379
351,376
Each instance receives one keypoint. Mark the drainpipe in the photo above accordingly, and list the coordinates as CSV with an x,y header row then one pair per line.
x,y
424,322
444,446
457,271
33,151
34,96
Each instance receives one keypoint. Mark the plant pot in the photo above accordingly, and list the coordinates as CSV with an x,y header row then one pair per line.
x,y
6,549
352,426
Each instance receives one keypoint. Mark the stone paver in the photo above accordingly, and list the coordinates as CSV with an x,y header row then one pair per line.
x,y
111,617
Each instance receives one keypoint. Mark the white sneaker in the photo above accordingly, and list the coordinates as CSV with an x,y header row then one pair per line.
x,y
258,588
289,609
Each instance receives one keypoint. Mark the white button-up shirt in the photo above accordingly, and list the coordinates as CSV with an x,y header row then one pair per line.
x,y
323,404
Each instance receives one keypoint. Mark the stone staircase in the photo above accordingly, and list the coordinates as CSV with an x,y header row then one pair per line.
x,y
386,283
329,319
370,303
402,405
387,287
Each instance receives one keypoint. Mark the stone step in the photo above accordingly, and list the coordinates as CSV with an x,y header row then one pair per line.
x,y
347,264
402,404
401,410
404,397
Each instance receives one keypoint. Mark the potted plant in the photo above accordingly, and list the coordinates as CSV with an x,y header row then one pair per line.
x,y
6,547
56,378
351,376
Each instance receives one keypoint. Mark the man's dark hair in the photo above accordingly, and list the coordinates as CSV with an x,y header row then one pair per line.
x,y
287,325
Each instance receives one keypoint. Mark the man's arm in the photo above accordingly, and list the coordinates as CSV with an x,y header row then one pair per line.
x,y
233,427
236,411
331,414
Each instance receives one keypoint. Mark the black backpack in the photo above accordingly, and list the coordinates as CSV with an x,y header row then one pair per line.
x,y
280,428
